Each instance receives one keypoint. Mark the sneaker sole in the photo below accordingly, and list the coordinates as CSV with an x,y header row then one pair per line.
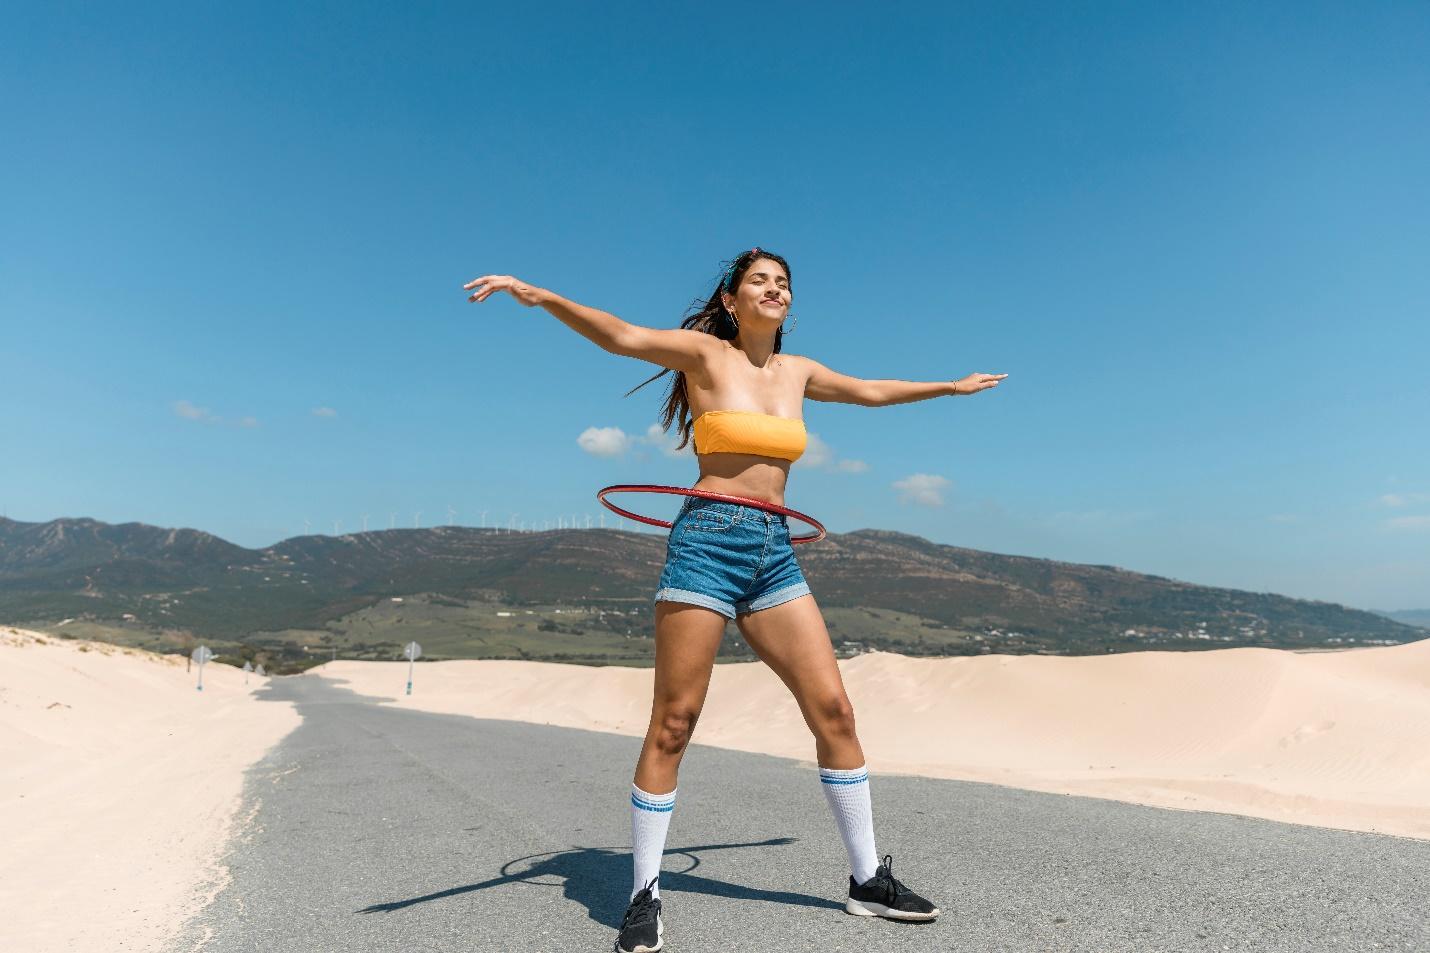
x,y
868,908
659,940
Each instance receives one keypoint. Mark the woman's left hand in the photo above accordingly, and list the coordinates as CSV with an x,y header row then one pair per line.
x,y
974,383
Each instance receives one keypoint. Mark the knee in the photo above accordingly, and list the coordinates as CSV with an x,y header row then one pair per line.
x,y
833,715
673,726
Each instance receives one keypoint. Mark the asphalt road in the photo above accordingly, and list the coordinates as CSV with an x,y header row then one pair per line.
x,y
376,829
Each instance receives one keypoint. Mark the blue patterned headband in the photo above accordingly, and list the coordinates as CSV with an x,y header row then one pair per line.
x,y
730,272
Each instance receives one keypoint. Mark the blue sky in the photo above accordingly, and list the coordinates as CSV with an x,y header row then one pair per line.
x,y
232,243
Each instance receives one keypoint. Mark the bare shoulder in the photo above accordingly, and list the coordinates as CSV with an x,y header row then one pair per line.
x,y
804,365
821,383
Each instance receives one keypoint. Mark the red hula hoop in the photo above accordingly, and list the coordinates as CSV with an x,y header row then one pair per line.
x,y
707,495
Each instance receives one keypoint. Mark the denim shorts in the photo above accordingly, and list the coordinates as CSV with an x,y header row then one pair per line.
x,y
731,558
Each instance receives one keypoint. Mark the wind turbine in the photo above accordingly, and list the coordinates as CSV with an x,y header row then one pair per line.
x,y
307,527
364,522
417,519
337,527
484,519
511,522
391,520
451,515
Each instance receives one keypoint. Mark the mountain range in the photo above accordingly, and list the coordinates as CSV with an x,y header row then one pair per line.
x,y
588,591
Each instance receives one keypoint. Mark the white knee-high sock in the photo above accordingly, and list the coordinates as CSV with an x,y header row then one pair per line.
x,y
848,795
650,819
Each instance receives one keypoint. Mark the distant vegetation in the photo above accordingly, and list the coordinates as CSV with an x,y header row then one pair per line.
x,y
584,596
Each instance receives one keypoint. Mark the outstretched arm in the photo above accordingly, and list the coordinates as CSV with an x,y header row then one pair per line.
x,y
826,385
602,328
679,349
906,392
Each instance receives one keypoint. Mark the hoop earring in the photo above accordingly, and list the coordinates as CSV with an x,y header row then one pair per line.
x,y
792,326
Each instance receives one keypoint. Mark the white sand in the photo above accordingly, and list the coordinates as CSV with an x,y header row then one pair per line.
x,y
121,783
1332,739
119,789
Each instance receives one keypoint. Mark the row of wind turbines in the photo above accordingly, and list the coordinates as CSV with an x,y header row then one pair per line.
x,y
513,525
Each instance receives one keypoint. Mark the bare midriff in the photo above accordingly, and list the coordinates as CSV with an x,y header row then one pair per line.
x,y
731,382
744,474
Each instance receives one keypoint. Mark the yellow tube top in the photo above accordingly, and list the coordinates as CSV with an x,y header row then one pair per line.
x,y
744,431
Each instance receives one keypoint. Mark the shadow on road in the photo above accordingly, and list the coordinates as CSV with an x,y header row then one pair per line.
x,y
599,879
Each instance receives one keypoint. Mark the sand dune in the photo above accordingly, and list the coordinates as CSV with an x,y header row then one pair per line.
x,y
1333,739
120,787
121,782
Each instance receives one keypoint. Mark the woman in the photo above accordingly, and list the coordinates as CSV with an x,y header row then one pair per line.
x,y
727,561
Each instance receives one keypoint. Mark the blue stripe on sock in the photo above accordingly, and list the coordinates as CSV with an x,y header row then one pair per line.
x,y
648,806
826,780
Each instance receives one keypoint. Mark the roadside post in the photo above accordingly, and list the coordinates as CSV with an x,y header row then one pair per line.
x,y
412,651
201,655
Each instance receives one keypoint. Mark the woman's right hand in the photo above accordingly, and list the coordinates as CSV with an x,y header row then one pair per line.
x,y
487,285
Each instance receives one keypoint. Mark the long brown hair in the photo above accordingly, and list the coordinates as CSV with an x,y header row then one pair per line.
x,y
711,317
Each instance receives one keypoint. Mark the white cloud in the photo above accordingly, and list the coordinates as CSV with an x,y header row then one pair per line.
x,y
613,442
819,455
667,442
191,412
1410,523
324,412
604,441
816,454
1403,499
924,489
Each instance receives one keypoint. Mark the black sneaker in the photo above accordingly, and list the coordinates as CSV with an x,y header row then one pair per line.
x,y
641,927
883,896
